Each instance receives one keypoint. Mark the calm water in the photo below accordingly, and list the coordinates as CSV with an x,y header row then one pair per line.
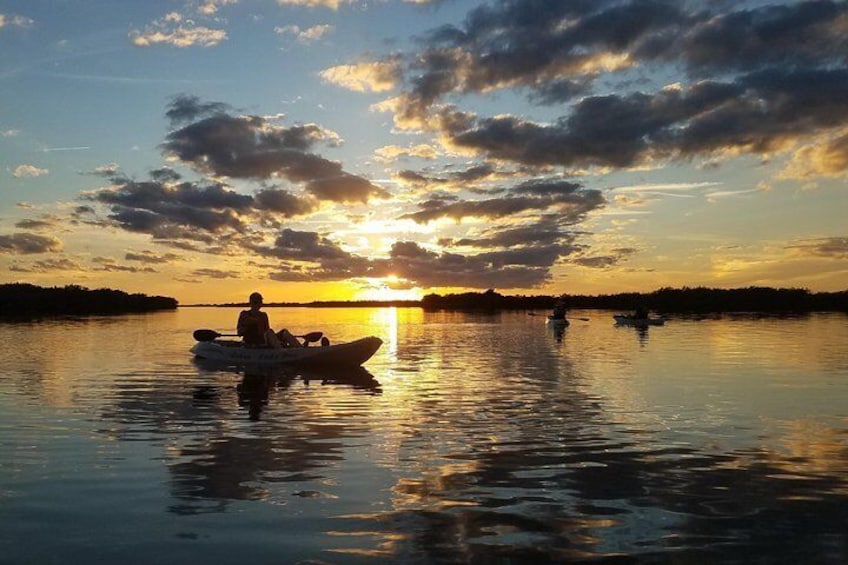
x,y
470,439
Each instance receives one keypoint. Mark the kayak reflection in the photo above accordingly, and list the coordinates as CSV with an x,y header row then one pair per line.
x,y
259,380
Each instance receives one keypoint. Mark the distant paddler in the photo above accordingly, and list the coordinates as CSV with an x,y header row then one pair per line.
x,y
560,309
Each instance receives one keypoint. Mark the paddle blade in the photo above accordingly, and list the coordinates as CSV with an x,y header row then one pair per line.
x,y
312,337
206,335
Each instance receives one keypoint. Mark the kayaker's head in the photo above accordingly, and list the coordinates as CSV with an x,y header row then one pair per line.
x,y
255,301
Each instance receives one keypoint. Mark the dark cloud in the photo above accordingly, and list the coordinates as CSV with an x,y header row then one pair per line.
x,y
28,243
759,79
546,231
831,247
804,33
169,208
149,206
215,274
757,114
570,201
525,267
303,246
416,265
251,147
35,224
109,265
284,202
602,261
558,91
185,108
410,261
153,258
555,49
466,178
47,266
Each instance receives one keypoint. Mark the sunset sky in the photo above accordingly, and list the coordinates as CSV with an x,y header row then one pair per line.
x,y
379,149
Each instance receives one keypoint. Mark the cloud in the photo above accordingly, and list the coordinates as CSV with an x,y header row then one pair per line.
x,y
426,268
158,207
568,199
759,80
185,108
173,29
9,132
760,113
471,178
411,262
250,147
26,170
804,33
23,243
302,246
48,266
216,274
379,76
284,203
151,257
43,224
308,35
170,208
108,170
332,4
544,231
392,152
826,158
110,265
828,247
511,257
7,20
210,7
614,257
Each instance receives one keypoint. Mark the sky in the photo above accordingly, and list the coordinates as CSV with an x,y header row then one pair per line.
x,y
388,149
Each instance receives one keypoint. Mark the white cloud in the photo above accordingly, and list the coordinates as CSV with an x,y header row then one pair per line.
x,y
210,7
15,21
364,77
307,35
174,29
27,170
332,4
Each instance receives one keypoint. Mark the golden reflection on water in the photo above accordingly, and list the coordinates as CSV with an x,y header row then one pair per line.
x,y
469,436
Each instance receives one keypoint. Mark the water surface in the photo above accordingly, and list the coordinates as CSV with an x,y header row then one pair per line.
x,y
469,438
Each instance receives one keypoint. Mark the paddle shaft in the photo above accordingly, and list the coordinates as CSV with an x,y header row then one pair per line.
x,y
211,335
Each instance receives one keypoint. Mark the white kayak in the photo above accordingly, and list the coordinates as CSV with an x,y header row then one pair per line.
x,y
350,354
625,320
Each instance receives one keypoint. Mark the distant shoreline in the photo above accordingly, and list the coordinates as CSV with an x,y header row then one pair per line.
x,y
698,300
24,301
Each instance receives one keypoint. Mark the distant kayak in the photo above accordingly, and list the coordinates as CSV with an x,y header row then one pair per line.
x,y
559,322
350,354
625,320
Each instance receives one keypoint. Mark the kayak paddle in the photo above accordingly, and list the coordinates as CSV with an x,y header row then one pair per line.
x,y
211,335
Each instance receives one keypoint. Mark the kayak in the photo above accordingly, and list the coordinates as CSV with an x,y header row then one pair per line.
x,y
557,322
350,354
625,320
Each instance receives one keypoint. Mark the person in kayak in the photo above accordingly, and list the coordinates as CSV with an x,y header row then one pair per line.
x,y
255,329
560,309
